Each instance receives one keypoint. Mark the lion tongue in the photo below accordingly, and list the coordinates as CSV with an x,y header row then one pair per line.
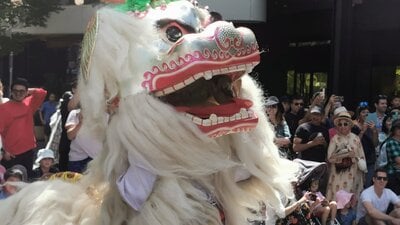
x,y
219,110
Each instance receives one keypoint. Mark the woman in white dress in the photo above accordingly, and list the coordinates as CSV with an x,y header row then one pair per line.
x,y
344,151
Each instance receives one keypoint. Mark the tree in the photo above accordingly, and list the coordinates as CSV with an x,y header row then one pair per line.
x,y
19,14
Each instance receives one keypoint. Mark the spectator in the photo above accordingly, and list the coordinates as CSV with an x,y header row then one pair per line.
x,y
64,145
344,151
394,102
393,157
297,213
368,134
84,146
376,117
11,176
320,206
317,100
285,102
311,138
295,114
48,108
374,202
333,131
16,124
346,213
45,159
282,133
385,132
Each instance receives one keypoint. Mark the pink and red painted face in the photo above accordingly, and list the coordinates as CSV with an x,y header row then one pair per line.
x,y
199,53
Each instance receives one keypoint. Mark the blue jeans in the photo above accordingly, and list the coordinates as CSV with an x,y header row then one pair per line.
x,y
78,166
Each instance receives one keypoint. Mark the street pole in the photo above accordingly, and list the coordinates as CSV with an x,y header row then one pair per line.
x,y
11,68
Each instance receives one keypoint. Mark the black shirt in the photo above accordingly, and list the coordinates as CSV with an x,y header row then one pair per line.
x,y
307,132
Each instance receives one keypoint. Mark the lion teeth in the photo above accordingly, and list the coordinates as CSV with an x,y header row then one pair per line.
x,y
238,116
244,113
208,75
206,122
197,120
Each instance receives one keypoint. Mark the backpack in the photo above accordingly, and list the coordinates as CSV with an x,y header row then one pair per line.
x,y
382,160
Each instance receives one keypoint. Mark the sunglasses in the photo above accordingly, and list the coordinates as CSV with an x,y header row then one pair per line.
x,y
343,124
363,104
298,103
16,91
381,178
382,97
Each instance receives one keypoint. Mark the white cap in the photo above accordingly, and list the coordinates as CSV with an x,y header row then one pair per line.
x,y
43,154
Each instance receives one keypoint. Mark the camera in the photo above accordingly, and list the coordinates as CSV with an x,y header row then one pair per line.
x,y
339,99
313,197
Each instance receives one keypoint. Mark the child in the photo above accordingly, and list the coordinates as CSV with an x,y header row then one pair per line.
x,y
345,202
11,175
45,158
319,206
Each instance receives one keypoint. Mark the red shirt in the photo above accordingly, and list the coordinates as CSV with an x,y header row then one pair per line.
x,y
16,122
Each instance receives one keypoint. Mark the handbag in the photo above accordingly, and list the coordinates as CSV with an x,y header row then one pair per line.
x,y
362,165
344,165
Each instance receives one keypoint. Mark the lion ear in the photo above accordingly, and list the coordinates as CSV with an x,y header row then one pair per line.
x,y
94,76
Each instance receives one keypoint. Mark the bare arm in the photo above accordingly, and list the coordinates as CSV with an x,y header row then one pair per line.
x,y
72,130
378,215
295,205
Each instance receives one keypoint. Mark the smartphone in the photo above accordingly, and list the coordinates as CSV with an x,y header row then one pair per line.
x,y
313,197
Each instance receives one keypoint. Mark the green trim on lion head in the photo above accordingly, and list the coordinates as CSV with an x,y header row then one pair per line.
x,y
141,5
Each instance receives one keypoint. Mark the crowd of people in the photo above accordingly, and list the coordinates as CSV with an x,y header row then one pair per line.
x,y
348,141
356,188
22,159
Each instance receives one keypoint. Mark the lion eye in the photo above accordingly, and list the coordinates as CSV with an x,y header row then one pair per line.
x,y
173,33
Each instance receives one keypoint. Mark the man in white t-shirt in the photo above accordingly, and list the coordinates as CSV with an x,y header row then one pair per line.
x,y
375,200
84,146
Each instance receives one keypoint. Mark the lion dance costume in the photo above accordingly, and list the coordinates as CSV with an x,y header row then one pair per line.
x,y
187,142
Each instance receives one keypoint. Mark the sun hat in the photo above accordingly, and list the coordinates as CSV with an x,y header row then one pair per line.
x,y
272,100
342,198
339,110
343,116
43,154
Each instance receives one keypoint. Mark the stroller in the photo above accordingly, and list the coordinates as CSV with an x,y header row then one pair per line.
x,y
308,170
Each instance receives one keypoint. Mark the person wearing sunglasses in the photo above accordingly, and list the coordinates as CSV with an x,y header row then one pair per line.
x,y
393,157
16,124
295,114
282,134
344,151
374,202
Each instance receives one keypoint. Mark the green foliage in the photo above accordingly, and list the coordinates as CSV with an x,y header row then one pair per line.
x,y
19,14
142,5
